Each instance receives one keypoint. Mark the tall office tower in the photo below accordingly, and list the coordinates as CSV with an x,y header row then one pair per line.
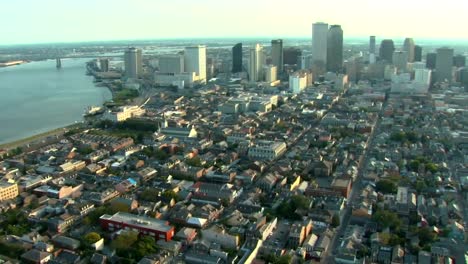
x,y
459,61
171,64
335,49
104,64
319,43
255,63
133,63
417,53
386,50
305,61
431,59
444,64
195,61
408,46
372,44
291,55
277,54
400,61
463,77
270,73
237,58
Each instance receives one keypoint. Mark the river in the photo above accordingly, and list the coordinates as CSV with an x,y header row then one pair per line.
x,y
37,97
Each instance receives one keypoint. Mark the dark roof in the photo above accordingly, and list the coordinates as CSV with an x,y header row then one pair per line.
x,y
34,255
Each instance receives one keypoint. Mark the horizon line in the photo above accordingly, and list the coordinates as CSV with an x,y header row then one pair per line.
x,y
465,39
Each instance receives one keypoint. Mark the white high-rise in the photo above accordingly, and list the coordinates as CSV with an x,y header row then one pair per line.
x,y
171,64
270,73
195,61
255,63
319,43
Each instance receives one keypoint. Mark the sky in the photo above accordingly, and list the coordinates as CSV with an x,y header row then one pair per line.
x,y
44,21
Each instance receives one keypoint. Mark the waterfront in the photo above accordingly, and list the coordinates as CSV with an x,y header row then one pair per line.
x,y
36,97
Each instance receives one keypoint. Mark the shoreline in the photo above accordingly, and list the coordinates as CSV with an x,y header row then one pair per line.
x,y
40,137
37,138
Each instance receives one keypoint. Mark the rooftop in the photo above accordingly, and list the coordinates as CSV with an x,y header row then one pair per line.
x,y
139,221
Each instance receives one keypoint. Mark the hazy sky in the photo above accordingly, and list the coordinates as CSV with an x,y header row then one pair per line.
x,y
32,21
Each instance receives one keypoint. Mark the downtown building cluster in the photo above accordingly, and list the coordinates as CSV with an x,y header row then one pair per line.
x,y
272,154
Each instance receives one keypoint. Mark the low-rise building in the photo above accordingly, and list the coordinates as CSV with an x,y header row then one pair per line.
x,y
8,191
267,150
144,225
124,113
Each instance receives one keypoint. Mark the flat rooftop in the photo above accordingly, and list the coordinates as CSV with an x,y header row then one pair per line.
x,y
138,221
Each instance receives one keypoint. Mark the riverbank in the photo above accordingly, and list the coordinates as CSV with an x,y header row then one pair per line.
x,y
12,63
39,138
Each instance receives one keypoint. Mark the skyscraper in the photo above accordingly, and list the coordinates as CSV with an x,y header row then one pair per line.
x,y
195,61
255,63
459,61
319,43
431,59
104,64
277,54
171,64
408,46
335,49
372,44
444,65
417,53
237,58
291,55
386,50
400,60
133,63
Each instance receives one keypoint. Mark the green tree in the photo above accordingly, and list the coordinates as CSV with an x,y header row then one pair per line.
x,y
335,222
92,238
386,219
125,241
386,186
170,194
426,236
194,162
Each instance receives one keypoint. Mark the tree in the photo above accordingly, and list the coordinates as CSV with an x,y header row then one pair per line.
x,y
426,236
386,186
170,194
387,219
335,222
125,241
92,238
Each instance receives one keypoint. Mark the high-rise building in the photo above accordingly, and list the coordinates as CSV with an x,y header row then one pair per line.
x,y
459,61
171,64
133,63
386,50
237,58
444,65
335,49
103,64
463,77
431,59
372,44
291,55
400,61
409,46
277,54
319,43
305,61
255,63
270,73
195,61
417,53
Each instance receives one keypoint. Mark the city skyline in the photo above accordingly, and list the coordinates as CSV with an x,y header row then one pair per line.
x,y
59,21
